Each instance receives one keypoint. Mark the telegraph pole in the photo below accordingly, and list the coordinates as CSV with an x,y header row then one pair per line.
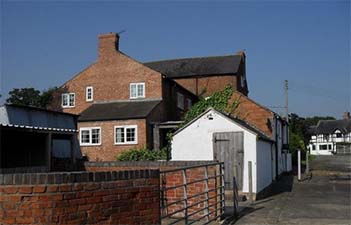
x,y
286,100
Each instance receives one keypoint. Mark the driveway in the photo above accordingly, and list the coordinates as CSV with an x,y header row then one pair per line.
x,y
317,200
337,164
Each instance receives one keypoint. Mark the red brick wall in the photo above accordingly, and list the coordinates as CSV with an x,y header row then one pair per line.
x,y
129,197
207,85
108,151
253,113
175,179
110,77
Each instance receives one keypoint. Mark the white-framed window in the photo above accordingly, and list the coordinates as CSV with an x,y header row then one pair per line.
x,y
189,103
90,136
242,80
180,100
68,100
89,94
137,90
126,135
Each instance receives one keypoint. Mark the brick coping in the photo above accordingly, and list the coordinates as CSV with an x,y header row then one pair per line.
x,y
75,177
147,163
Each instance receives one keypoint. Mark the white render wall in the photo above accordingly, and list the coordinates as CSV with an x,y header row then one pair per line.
x,y
264,164
278,136
195,143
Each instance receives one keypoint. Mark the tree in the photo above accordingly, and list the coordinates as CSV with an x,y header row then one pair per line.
x,y
31,97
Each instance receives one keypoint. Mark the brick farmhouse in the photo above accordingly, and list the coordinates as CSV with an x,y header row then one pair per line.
x,y
126,104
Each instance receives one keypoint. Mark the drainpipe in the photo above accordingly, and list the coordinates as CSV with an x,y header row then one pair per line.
x,y
276,148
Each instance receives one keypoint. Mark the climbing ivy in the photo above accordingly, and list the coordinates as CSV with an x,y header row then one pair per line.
x,y
219,101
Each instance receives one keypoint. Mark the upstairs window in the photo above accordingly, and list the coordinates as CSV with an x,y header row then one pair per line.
x,y
180,101
137,90
89,94
90,136
189,103
68,100
126,135
242,79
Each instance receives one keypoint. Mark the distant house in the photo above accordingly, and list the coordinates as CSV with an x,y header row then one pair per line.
x,y
216,136
331,136
126,104
37,140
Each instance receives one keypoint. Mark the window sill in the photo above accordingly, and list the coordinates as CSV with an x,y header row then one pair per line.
x,y
136,97
87,145
64,107
128,143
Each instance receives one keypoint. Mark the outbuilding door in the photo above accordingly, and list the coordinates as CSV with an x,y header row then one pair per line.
x,y
228,147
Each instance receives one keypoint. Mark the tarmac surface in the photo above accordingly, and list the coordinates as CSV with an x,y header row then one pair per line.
x,y
317,199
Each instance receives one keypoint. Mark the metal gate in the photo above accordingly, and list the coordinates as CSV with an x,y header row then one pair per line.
x,y
193,194
228,147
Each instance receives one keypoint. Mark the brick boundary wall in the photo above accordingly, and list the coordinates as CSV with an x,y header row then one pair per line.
x,y
162,165
175,179
109,197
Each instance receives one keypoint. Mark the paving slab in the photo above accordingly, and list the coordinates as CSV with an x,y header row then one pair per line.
x,y
318,200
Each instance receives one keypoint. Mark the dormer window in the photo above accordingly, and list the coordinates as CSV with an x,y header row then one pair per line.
x,y
338,134
137,90
89,94
68,100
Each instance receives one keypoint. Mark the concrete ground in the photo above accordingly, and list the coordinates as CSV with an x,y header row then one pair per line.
x,y
318,199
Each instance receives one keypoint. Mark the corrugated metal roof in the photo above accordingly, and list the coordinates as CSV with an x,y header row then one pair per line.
x,y
38,119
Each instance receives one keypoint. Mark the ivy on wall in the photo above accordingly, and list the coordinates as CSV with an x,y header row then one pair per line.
x,y
219,101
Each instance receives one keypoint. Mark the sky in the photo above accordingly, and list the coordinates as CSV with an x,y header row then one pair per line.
x,y
45,43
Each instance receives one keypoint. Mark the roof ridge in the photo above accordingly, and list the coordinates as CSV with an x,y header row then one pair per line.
x,y
197,57
127,101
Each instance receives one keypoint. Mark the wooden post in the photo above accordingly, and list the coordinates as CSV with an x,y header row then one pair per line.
x,y
307,164
250,183
298,164
235,203
73,157
48,150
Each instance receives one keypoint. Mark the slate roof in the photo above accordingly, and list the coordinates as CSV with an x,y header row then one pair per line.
x,y
216,65
329,126
118,110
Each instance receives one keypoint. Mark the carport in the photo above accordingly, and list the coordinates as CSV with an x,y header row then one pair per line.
x,y
30,138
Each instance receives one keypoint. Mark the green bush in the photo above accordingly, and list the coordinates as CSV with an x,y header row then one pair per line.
x,y
142,154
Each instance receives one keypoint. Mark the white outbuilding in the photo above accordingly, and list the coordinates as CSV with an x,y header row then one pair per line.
x,y
216,136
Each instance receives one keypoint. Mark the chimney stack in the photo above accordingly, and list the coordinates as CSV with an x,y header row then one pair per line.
x,y
346,115
108,45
